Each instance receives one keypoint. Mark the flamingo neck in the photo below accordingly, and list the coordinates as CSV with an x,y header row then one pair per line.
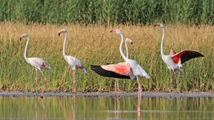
x,y
25,52
127,51
162,42
64,44
121,44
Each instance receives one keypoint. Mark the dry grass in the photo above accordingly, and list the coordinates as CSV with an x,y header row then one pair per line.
x,y
96,45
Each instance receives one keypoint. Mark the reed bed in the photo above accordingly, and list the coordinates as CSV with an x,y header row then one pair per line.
x,y
108,12
94,44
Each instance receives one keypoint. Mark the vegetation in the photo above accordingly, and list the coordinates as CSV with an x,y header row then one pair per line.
x,y
108,12
94,44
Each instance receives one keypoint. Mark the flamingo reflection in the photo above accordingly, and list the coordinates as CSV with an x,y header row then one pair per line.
x,y
43,108
138,106
74,107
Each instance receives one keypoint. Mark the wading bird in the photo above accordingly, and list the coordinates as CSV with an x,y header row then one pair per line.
x,y
37,63
175,60
72,61
129,69
116,84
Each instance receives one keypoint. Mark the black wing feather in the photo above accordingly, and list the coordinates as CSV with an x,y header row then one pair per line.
x,y
189,55
99,70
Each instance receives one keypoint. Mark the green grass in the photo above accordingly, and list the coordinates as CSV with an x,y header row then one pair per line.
x,y
94,44
108,12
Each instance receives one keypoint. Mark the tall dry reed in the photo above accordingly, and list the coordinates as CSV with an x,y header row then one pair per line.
x,y
94,44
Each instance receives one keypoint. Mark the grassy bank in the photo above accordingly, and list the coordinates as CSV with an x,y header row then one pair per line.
x,y
96,45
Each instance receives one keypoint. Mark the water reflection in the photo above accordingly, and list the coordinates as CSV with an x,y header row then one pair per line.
x,y
105,108
40,102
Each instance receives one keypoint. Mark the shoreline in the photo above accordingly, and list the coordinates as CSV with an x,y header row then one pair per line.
x,y
111,94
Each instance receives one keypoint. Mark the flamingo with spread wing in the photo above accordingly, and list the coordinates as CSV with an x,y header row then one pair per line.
x,y
175,60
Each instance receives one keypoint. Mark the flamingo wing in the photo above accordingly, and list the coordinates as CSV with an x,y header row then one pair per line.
x,y
185,55
113,70
38,63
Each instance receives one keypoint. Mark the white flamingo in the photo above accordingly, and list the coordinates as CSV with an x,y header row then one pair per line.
x,y
37,63
72,61
175,60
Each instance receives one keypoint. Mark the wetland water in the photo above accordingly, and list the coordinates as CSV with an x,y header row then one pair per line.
x,y
105,107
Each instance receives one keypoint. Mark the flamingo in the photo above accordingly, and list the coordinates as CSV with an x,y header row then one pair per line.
x,y
37,63
175,60
116,84
72,61
129,69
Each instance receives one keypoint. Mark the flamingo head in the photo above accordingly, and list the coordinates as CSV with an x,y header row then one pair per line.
x,y
159,24
117,31
129,40
23,35
62,31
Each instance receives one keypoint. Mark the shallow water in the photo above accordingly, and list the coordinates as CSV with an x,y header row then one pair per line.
x,y
105,108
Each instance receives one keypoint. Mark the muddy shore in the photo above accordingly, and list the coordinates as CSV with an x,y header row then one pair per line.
x,y
111,94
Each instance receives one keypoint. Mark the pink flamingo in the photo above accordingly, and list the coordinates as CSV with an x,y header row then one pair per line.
x,y
72,61
175,60
129,69
116,84
37,63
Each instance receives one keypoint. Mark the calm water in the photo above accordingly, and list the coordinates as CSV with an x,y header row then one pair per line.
x,y
105,108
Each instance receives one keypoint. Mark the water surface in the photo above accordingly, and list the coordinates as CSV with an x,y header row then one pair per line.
x,y
105,108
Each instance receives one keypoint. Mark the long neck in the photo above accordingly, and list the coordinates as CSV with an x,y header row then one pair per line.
x,y
25,52
121,44
162,42
64,45
127,51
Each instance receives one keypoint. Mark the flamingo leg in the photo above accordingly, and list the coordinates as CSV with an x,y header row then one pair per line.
x,y
170,82
178,85
139,97
43,89
139,87
116,87
43,75
74,81
36,80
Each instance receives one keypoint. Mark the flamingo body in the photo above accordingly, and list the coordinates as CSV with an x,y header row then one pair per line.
x,y
136,69
75,63
38,63
175,60
72,61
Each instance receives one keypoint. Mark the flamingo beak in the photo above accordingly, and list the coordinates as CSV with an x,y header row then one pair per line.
x,y
111,31
59,34
155,25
